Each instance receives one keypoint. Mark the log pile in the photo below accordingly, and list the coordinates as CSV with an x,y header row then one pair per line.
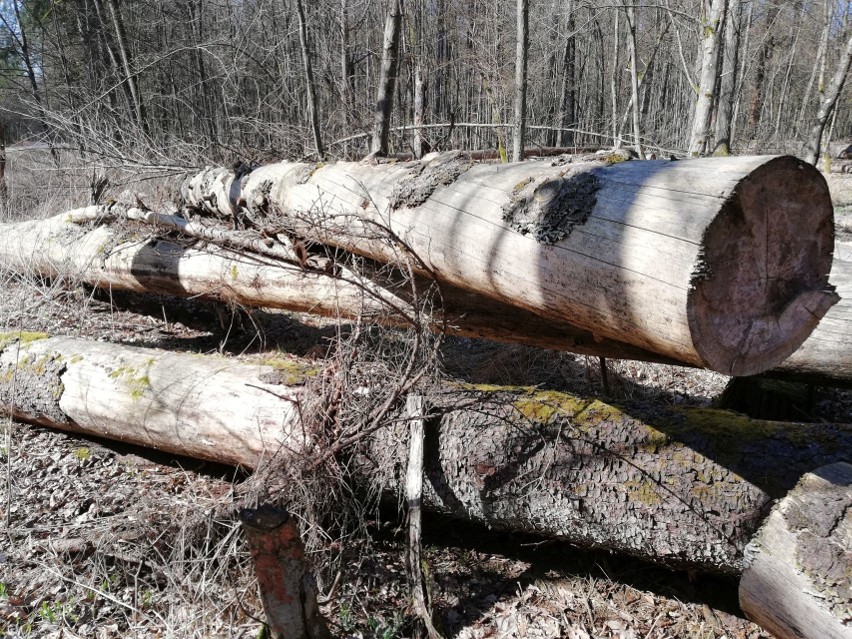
x,y
682,487
632,305
701,263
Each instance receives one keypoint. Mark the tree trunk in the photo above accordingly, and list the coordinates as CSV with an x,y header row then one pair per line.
x,y
796,582
602,247
521,55
826,106
679,487
826,356
711,28
729,81
634,78
387,80
313,103
129,74
567,100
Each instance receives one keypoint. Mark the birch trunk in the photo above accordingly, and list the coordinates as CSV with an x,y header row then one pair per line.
x,y
711,28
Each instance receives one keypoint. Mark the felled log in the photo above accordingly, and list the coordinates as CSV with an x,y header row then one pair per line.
x,y
826,356
83,246
797,581
90,246
678,487
701,261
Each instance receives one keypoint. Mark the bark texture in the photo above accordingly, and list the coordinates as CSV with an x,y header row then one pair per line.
x,y
662,255
678,487
796,583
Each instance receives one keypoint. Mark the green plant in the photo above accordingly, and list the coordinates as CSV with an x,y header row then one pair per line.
x,y
82,454
4,590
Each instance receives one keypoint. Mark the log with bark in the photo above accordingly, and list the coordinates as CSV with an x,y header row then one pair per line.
x,y
701,261
116,248
680,487
797,582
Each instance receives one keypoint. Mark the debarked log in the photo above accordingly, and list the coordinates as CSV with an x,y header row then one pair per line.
x,y
680,487
702,261
89,246
826,356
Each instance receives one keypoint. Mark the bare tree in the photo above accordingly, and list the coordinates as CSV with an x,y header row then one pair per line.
x,y
710,27
728,80
387,81
521,56
313,105
828,102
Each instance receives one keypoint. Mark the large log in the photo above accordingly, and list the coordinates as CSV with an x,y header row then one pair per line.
x,y
826,356
702,261
678,487
798,577
88,246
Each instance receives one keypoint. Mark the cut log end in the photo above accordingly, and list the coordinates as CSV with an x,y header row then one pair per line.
x,y
745,319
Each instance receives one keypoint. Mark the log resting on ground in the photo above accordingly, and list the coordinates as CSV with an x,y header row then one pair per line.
x,y
797,582
87,245
826,356
680,487
718,262
83,245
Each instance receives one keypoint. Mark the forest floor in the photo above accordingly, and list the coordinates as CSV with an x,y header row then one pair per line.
x,y
100,539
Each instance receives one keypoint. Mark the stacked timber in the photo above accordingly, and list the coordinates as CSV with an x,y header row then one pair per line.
x,y
679,487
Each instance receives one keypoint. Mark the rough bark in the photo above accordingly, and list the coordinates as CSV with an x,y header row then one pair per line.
x,y
668,256
796,581
680,487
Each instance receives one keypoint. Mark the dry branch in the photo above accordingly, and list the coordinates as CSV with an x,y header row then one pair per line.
x,y
677,487
700,261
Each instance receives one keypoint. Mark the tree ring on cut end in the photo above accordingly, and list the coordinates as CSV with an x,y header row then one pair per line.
x,y
761,283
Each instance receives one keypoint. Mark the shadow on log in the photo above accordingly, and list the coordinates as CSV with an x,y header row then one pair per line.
x,y
679,487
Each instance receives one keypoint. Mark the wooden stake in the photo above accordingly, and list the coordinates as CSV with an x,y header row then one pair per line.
x,y
287,588
413,495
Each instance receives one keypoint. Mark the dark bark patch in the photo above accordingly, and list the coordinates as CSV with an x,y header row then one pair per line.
x,y
33,385
424,177
549,210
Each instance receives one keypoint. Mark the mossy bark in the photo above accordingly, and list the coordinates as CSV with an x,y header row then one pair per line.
x,y
679,487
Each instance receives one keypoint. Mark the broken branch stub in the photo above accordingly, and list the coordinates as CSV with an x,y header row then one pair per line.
x,y
717,262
